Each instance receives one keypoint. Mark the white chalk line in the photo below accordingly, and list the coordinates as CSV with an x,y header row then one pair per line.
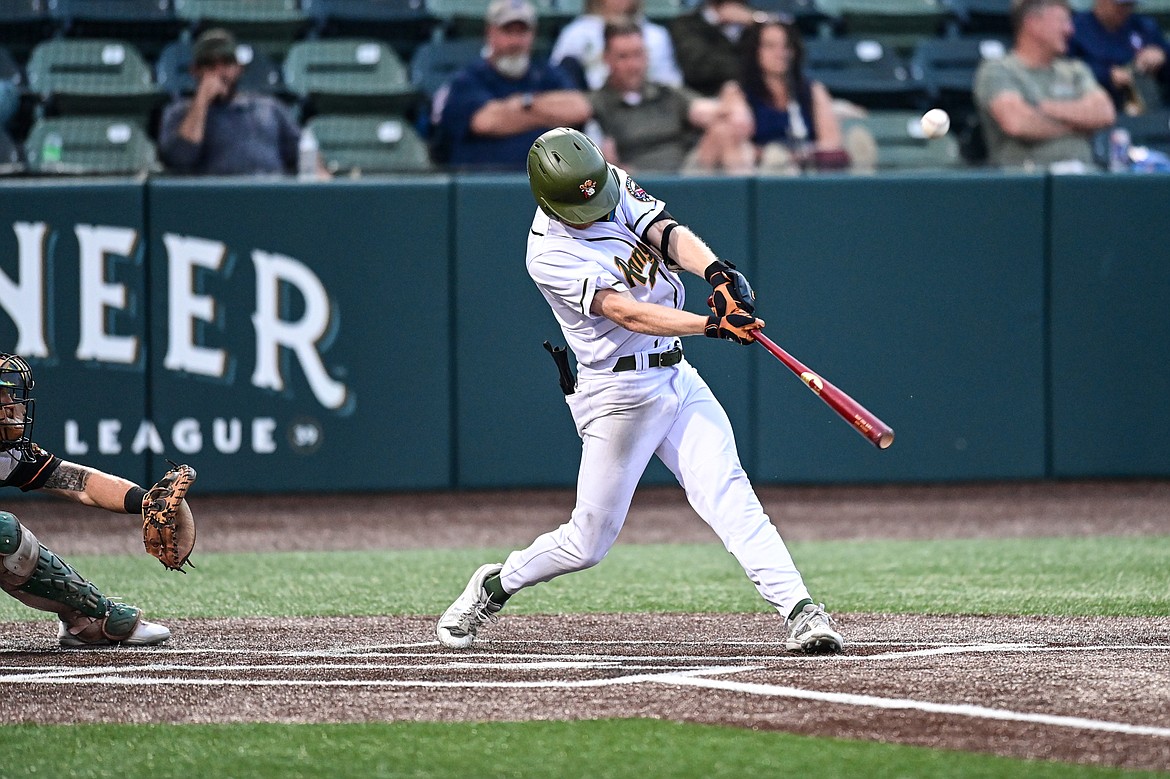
x,y
692,677
961,710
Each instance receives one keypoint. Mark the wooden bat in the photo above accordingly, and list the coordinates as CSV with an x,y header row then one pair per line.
x,y
876,431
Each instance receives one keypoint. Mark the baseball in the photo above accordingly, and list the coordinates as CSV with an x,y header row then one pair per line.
x,y
935,123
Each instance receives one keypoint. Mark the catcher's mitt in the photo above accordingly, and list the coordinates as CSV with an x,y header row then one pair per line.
x,y
168,529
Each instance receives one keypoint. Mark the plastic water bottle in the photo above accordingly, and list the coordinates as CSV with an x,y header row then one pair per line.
x,y
307,153
51,148
1119,141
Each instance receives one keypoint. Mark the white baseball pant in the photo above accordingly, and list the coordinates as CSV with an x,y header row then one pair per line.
x,y
624,419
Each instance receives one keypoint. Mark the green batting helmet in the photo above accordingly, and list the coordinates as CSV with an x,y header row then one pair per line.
x,y
570,178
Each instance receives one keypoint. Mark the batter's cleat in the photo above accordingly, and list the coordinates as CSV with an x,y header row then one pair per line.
x,y
144,634
812,632
470,611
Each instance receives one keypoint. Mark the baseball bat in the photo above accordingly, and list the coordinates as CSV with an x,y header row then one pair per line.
x,y
876,431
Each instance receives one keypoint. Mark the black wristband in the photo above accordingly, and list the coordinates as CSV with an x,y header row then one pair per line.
x,y
716,267
132,503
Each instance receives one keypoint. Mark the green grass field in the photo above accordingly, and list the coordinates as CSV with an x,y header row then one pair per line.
x,y
1108,576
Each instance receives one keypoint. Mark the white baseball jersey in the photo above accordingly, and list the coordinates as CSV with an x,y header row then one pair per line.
x,y
626,417
570,266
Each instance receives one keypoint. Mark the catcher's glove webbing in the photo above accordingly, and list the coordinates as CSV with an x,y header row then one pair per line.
x,y
168,529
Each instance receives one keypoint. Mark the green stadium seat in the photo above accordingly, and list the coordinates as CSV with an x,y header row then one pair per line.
x,y
89,145
901,144
272,25
92,76
365,144
348,75
983,17
11,159
437,61
148,24
896,23
24,24
404,24
948,65
864,71
260,74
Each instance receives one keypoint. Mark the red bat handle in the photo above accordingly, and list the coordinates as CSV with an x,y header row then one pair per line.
x,y
876,431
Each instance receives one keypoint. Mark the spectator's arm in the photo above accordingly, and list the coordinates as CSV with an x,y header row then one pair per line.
x,y
1019,119
508,116
825,119
178,153
1092,111
730,106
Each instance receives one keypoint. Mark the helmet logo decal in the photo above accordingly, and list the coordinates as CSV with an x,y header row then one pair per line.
x,y
589,188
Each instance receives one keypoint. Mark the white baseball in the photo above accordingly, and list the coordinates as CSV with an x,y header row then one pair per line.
x,y
935,123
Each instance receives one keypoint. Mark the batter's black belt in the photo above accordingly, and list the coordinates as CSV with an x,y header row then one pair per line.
x,y
660,360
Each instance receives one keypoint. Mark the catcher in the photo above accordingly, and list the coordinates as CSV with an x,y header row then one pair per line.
x,y
39,578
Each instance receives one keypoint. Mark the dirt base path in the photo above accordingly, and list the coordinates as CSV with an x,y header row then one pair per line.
x,y
1084,690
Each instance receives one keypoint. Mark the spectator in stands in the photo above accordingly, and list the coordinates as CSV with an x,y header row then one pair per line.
x,y
221,131
582,41
796,126
1038,107
1121,47
707,43
491,111
656,127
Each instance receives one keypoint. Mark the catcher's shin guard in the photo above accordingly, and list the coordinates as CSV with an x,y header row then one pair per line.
x,y
39,578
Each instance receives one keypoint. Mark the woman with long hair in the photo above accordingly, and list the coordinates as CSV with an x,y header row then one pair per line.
x,y
795,122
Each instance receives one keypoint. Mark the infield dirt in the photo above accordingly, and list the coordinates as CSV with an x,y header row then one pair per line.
x,y
1083,690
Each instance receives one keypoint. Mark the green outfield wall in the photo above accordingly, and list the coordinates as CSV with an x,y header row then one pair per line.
x,y
383,335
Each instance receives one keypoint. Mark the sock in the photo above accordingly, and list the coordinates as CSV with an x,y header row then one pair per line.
x,y
496,592
799,608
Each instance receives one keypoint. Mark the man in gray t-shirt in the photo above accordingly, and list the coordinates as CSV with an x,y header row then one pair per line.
x,y
1038,107
654,127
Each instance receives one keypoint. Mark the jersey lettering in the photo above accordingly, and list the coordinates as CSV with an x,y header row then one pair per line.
x,y
642,267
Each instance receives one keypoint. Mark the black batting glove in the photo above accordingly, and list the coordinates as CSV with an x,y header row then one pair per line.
x,y
736,326
730,289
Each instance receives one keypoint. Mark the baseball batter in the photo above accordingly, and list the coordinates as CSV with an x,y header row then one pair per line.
x,y
606,256
33,574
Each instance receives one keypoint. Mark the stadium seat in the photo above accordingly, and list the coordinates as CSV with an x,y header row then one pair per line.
x,y
404,24
436,62
983,17
948,65
865,72
271,25
89,145
366,144
148,24
173,70
11,87
901,144
24,24
92,76
11,161
348,75
808,17
897,23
